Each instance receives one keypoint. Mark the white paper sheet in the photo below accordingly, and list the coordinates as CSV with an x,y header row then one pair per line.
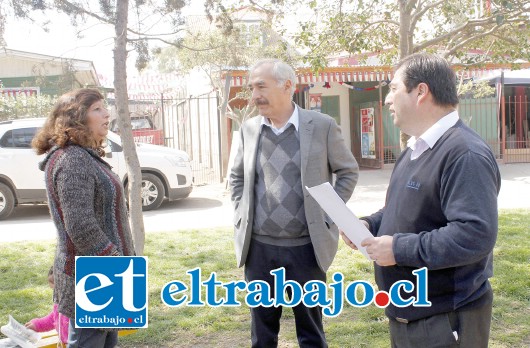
x,y
337,210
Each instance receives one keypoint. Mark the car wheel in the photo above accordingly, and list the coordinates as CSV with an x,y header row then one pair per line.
x,y
7,201
152,192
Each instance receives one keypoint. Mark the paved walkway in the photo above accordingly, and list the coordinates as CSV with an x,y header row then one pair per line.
x,y
370,192
209,206
515,187
369,195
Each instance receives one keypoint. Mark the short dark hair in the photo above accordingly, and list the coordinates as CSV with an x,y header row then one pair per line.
x,y
434,71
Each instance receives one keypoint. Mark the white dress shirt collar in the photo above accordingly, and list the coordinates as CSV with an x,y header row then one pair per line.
x,y
432,135
294,120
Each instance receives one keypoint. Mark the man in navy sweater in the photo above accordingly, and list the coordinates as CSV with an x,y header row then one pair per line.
x,y
440,213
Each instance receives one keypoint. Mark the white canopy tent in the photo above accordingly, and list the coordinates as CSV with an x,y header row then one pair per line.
x,y
511,77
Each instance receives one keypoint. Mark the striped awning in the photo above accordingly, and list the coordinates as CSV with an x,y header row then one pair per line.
x,y
345,76
335,76
360,74
19,91
150,86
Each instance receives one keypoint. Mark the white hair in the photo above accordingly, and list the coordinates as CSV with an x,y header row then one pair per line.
x,y
280,70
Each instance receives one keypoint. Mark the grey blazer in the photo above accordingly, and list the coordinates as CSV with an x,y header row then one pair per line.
x,y
323,153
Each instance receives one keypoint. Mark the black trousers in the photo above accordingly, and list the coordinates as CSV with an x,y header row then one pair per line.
x,y
467,328
301,266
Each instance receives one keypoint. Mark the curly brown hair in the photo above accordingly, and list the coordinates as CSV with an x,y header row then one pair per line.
x,y
68,122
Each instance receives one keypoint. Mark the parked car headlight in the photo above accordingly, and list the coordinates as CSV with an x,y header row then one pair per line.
x,y
178,160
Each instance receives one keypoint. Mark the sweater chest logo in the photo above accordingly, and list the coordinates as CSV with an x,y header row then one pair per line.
x,y
413,184
111,292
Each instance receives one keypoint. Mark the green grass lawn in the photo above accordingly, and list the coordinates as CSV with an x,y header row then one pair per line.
x,y
24,292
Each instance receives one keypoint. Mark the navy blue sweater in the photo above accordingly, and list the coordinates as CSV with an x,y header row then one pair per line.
x,y
442,211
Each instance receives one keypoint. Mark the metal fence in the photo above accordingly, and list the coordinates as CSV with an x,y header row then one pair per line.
x,y
193,125
503,124
189,124
516,122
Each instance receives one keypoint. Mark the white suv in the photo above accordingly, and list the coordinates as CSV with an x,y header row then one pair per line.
x,y
166,172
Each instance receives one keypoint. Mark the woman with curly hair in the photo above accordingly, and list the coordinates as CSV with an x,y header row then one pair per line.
x,y
85,198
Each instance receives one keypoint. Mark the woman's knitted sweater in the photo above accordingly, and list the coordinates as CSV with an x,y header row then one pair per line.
x,y
88,209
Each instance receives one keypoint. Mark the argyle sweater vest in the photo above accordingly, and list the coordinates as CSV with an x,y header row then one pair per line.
x,y
279,216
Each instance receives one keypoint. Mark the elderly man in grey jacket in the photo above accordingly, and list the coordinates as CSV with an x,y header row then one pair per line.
x,y
277,223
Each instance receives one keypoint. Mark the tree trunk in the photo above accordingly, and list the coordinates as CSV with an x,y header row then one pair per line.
x,y
405,34
124,123
225,96
405,45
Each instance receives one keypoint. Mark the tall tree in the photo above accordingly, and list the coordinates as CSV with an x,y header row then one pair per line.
x,y
216,53
149,17
230,39
491,30
124,124
469,32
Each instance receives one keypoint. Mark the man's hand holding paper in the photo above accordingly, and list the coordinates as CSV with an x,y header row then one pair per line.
x,y
380,250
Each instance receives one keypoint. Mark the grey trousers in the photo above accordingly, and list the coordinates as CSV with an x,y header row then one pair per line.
x,y
90,338
468,328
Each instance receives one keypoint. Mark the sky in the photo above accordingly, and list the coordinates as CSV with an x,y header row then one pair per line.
x,y
61,41
95,45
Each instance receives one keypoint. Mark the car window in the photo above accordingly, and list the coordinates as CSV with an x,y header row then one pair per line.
x,y
18,138
140,123
113,146
114,125
136,123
